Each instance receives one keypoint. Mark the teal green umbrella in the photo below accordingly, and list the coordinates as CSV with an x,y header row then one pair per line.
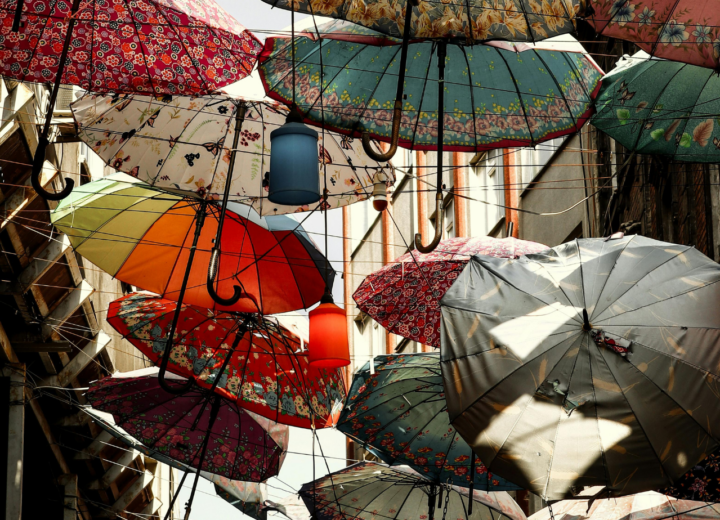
x,y
659,107
398,413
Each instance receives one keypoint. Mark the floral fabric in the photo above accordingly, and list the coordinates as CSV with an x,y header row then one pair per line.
x,y
550,96
176,426
399,414
680,30
404,296
146,46
469,20
185,143
663,108
701,483
265,375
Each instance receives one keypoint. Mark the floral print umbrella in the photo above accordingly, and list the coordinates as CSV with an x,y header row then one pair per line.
x,y
404,296
661,107
469,20
398,412
184,143
701,483
177,425
266,374
149,46
496,95
594,363
680,30
368,491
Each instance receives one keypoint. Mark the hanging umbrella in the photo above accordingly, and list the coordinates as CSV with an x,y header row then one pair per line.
x,y
397,412
404,296
186,144
367,490
161,47
264,372
678,30
498,95
591,364
702,482
250,500
661,107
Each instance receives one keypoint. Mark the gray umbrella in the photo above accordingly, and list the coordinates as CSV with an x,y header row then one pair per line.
x,y
594,363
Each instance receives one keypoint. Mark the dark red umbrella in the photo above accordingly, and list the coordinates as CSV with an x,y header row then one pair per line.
x,y
161,47
404,296
265,372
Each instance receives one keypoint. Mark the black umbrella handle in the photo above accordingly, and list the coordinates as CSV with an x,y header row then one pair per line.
x,y
18,15
212,274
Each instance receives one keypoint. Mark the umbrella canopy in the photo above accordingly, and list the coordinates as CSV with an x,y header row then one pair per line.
x,y
550,92
468,20
367,490
185,144
153,47
661,107
264,375
643,506
404,296
250,499
591,364
175,425
702,482
678,30
398,413
142,235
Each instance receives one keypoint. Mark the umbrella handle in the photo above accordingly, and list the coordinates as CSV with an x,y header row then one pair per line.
x,y
37,166
438,229
212,273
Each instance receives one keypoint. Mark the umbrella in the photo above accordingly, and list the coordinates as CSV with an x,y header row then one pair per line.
x,y
251,500
498,95
661,107
263,372
397,412
185,144
367,490
161,47
404,296
591,364
702,482
679,30
643,506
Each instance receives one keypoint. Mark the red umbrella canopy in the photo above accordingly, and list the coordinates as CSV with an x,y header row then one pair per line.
x,y
242,446
149,46
404,296
265,374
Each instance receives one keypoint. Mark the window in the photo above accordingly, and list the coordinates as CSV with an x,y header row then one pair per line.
x,y
486,163
449,219
486,194
533,160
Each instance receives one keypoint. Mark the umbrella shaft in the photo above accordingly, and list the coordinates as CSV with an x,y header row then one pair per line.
x,y
404,52
175,495
239,119
441,53
211,421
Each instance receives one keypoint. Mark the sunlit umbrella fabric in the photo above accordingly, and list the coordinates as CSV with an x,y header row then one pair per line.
x,y
152,46
367,490
176,425
142,235
398,413
404,296
468,20
184,143
496,95
680,30
661,107
554,407
264,374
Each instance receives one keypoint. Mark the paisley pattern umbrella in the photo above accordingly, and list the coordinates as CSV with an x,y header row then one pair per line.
x,y
366,491
144,236
177,426
497,95
591,364
469,20
398,413
265,375
404,296
662,107
678,30
184,143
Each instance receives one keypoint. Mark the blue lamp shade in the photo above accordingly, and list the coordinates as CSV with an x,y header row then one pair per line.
x,y
294,165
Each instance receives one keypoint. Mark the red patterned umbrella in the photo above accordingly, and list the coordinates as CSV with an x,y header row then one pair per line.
x,y
404,296
264,374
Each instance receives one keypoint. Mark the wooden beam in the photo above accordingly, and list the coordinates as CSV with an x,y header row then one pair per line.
x,y
70,500
115,470
15,441
77,419
95,447
79,362
67,308
53,346
133,491
37,267
151,509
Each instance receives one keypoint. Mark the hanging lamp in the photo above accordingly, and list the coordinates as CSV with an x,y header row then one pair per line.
x,y
379,193
328,346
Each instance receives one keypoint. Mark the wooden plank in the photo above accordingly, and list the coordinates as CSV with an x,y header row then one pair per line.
x,y
70,500
79,362
133,491
53,346
67,307
95,447
38,266
15,441
115,470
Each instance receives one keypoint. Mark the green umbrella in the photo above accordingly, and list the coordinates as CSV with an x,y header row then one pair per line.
x,y
660,107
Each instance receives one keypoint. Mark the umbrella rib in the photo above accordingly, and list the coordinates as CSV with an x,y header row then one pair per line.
x,y
140,41
40,38
422,99
181,248
687,120
661,29
558,284
517,89
562,94
472,88
292,272
599,294
597,418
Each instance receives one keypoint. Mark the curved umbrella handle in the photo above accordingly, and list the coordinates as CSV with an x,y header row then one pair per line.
x,y
382,157
161,375
438,229
212,273
38,161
